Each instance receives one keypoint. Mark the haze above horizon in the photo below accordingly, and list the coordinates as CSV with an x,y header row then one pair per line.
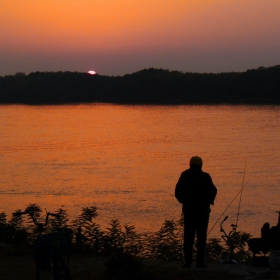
x,y
117,37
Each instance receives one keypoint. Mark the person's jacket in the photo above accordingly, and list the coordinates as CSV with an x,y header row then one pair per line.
x,y
195,190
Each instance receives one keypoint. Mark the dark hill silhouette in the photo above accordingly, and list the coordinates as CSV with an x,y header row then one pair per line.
x,y
148,86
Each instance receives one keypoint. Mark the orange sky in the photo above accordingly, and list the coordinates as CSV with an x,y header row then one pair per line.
x,y
116,37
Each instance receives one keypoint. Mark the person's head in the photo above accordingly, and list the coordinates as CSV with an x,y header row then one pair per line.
x,y
196,162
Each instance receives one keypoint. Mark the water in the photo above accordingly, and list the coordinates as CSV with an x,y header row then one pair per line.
x,y
126,160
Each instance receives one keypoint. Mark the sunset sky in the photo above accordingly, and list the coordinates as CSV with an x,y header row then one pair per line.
x,y
117,37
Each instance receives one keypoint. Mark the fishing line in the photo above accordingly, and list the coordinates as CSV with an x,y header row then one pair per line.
x,y
228,206
241,193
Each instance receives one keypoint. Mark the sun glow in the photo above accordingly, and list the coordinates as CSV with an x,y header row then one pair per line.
x,y
91,72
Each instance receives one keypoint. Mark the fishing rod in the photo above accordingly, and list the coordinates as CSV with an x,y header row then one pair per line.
x,y
243,186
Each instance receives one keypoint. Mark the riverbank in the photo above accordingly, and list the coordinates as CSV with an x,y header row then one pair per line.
x,y
20,265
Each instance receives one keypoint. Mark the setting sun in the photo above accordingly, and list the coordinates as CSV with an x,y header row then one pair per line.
x,y
91,72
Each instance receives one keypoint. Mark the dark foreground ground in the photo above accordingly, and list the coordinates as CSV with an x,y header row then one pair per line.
x,y
20,266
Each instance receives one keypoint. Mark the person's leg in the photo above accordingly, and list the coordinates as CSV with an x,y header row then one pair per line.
x,y
202,227
189,234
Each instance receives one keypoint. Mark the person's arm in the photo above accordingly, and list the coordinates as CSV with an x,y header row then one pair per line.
x,y
213,190
179,189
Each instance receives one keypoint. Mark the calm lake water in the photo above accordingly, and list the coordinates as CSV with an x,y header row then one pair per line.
x,y
126,160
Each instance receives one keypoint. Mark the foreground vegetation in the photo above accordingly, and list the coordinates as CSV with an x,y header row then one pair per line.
x,y
122,243
148,86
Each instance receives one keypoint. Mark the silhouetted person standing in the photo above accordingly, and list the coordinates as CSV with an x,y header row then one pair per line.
x,y
196,191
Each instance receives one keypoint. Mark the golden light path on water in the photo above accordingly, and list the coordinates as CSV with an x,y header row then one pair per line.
x,y
126,160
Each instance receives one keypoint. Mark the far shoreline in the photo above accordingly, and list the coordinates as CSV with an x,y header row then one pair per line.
x,y
151,86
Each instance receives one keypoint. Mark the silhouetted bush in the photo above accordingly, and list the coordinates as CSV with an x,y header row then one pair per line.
x,y
117,241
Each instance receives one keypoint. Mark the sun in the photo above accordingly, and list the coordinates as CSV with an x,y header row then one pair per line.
x,y
91,72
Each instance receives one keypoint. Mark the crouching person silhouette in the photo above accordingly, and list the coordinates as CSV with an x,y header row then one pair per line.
x,y
196,191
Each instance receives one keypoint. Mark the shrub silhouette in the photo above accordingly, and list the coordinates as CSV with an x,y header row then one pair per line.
x,y
117,241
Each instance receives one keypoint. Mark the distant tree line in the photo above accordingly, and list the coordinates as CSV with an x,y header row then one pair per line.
x,y
148,86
